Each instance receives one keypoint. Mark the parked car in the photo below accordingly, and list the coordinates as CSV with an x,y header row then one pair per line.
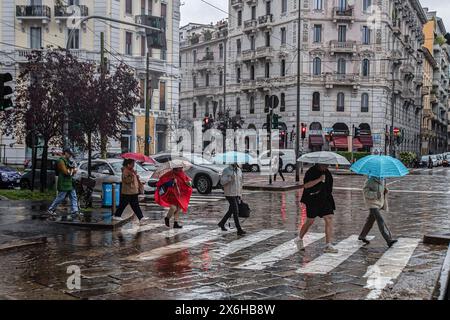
x,y
9,177
26,179
110,171
205,174
263,161
435,160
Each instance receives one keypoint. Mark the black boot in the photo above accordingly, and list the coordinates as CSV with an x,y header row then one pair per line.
x,y
222,227
176,225
167,222
241,232
364,240
391,243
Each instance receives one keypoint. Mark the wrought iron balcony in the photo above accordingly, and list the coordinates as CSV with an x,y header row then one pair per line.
x,y
250,25
265,21
343,14
66,11
343,47
33,13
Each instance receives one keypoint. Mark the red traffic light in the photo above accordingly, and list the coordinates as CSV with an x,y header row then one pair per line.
x,y
304,129
206,120
396,131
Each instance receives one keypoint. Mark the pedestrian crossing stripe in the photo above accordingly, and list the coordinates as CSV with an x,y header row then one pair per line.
x,y
329,261
179,246
389,266
168,233
243,243
281,252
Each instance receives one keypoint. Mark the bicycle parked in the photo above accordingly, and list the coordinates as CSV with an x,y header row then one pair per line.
x,y
85,189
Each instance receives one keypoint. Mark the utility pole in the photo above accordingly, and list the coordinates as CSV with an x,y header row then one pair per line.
x,y
299,69
103,141
224,86
148,96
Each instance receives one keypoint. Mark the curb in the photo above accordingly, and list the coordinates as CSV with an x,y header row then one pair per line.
x,y
273,188
22,244
99,226
437,239
442,288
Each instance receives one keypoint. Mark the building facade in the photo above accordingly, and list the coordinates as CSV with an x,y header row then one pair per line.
x,y
35,24
361,68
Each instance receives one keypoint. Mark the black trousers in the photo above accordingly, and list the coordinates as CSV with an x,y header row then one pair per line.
x,y
280,172
375,215
232,210
133,201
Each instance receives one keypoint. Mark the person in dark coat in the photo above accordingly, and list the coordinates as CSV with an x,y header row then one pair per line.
x,y
319,202
280,169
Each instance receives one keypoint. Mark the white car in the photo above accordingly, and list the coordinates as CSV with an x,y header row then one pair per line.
x,y
263,161
110,171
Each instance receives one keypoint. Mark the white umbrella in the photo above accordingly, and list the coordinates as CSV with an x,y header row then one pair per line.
x,y
324,157
169,166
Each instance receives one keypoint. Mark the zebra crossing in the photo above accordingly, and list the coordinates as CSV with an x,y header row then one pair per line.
x,y
378,275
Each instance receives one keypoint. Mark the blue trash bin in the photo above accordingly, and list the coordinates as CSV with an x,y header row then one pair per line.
x,y
107,194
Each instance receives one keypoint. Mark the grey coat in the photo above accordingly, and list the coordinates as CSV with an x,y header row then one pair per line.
x,y
231,181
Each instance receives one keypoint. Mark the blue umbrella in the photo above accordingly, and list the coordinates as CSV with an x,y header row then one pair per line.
x,y
233,157
380,167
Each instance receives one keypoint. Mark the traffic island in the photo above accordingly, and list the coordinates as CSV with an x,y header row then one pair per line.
x,y
98,219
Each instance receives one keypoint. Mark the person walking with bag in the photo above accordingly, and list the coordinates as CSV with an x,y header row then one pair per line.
x,y
318,199
65,187
232,185
280,169
129,193
174,190
375,197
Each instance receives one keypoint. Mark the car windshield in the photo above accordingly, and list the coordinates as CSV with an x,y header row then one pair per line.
x,y
117,167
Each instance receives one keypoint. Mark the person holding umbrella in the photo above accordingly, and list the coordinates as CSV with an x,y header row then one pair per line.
x,y
173,190
129,193
378,168
318,194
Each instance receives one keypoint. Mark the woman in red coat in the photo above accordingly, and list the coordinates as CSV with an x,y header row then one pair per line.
x,y
174,190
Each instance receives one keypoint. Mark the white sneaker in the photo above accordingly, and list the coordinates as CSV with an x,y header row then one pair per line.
x,y
144,220
117,218
299,243
51,213
330,249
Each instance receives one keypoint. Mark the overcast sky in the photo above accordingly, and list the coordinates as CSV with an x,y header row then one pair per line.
x,y
200,12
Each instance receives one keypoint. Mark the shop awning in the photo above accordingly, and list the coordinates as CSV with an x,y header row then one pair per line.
x,y
366,140
316,140
340,142
357,144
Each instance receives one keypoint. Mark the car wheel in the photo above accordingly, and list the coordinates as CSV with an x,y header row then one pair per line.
x,y
254,168
25,184
290,168
203,184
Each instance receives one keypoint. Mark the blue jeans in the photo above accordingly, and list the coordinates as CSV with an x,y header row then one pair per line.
x,y
60,198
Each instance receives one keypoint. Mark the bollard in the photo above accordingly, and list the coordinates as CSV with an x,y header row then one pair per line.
x,y
56,185
113,205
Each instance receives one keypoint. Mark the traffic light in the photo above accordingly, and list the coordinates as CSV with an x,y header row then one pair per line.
x,y
205,124
303,131
357,132
398,136
155,39
5,102
276,121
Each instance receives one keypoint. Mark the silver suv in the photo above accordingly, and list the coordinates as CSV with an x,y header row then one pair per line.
x,y
110,171
205,174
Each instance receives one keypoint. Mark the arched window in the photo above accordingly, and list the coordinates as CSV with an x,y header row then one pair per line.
x,y
317,67
316,101
340,107
365,102
194,110
283,102
238,106
365,68
252,104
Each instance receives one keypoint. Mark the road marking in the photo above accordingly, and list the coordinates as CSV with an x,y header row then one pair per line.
x,y
243,243
279,253
143,228
396,191
328,261
392,182
169,233
179,246
389,266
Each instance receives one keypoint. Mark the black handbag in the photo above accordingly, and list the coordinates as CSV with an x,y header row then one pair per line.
x,y
244,210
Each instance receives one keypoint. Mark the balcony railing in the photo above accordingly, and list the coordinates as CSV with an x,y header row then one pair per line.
x,y
250,25
33,12
264,52
64,11
341,79
247,55
237,3
340,14
265,21
343,47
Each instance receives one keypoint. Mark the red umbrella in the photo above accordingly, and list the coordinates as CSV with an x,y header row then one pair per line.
x,y
138,157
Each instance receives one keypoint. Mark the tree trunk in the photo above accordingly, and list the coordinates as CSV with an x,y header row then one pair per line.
x,y
44,167
103,145
89,147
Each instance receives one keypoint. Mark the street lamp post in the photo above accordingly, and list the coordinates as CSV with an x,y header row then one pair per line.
x,y
299,69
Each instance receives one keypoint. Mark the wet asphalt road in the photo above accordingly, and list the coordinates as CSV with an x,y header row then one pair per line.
x,y
199,262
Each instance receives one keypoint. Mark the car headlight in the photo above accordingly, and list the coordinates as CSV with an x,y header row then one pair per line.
x,y
3,176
